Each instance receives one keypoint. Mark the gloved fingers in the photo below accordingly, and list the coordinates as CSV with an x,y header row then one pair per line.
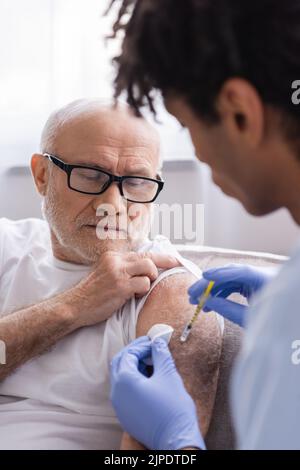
x,y
227,277
162,357
137,341
198,288
127,368
129,365
139,347
225,292
231,310
225,274
134,344
138,350
223,295
227,268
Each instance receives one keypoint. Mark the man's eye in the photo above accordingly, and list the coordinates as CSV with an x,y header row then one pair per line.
x,y
91,177
136,182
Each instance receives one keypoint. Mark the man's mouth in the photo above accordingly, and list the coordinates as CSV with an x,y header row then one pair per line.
x,y
106,228
111,229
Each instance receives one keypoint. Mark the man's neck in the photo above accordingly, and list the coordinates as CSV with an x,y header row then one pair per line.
x,y
290,188
283,185
65,254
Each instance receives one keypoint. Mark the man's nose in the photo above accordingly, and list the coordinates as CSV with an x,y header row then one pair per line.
x,y
111,197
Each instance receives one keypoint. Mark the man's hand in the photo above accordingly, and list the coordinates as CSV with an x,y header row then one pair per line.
x,y
116,278
157,411
234,278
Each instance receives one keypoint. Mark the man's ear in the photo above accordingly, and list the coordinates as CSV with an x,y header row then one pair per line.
x,y
40,172
242,112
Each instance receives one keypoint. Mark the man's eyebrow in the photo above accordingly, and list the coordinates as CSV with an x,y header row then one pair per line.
x,y
139,171
91,165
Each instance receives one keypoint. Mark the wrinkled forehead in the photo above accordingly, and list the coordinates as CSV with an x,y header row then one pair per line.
x,y
116,132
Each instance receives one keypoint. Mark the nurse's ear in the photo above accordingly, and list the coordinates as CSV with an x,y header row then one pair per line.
x,y
242,112
40,172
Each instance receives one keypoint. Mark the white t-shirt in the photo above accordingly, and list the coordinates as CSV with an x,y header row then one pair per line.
x,y
266,379
60,400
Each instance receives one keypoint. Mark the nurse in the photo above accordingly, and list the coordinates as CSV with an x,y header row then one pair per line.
x,y
225,70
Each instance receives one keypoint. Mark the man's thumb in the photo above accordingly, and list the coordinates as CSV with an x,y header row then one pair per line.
x,y
163,261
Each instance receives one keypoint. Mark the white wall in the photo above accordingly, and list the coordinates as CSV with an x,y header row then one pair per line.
x,y
226,223
18,197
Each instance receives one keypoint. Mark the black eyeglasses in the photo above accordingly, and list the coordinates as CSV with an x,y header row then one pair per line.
x,y
90,180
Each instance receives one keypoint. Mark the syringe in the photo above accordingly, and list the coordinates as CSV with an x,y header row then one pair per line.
x,y
202,301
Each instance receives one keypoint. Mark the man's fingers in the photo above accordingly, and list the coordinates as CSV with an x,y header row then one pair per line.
x,y
140,285
146,265
143,267
163,261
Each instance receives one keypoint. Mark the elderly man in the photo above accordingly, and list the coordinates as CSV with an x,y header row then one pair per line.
x,y
77,287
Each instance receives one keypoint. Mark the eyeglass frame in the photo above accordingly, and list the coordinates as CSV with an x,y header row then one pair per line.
x,y
68,168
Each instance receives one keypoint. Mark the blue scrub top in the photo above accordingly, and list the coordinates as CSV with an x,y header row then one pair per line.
x,y
266,379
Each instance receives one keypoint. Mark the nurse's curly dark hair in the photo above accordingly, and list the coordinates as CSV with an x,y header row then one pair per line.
x,y
191,47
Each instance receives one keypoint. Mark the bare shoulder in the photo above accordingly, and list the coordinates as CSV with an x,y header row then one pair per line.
x,y
198,359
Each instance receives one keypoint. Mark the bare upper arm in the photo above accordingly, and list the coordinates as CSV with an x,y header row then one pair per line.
x,y
197,360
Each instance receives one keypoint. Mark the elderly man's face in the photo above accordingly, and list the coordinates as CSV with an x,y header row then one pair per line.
x,y
121,144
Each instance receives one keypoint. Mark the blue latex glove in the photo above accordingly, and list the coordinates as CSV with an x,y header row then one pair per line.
x,y
157,411
242,279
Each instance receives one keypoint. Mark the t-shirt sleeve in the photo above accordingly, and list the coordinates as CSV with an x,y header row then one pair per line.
x,y
133,308
17,235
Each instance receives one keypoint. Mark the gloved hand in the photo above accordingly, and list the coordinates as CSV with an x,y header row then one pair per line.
x,y
242,279
157,411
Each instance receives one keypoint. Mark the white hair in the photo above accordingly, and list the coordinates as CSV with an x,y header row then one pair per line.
x,y
70,112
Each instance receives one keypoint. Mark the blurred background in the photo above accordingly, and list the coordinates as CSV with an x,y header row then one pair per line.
x,y
53,52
